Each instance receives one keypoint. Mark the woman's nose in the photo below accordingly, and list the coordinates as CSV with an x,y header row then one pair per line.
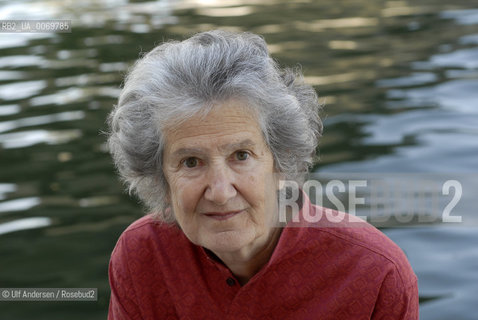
x,y
220,185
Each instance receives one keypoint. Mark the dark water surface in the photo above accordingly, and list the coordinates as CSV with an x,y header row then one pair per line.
x,y
399,80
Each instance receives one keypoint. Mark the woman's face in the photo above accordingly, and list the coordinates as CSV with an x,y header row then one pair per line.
x,y
221,178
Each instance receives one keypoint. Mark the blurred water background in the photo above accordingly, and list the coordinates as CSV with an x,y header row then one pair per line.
x,y
399,80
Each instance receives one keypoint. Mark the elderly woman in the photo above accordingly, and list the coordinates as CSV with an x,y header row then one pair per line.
x,y
203,132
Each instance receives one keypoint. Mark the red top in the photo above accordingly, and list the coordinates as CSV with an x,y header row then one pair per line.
x,y
314,273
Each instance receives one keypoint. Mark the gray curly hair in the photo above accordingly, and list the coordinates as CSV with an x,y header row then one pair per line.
x,y
178,80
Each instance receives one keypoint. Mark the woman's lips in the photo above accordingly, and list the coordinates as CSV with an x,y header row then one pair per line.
x,y
222,215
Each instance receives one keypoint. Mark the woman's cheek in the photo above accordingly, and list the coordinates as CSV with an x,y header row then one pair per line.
x,y
189,195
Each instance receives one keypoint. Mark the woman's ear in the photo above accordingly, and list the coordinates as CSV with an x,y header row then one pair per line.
x,y
167,197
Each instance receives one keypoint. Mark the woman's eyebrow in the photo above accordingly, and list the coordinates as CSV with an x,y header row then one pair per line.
x,y
188,151
244,144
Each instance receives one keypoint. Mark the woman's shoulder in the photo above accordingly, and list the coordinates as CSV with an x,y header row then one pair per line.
x,y
349,230
148,224
148,233
362,241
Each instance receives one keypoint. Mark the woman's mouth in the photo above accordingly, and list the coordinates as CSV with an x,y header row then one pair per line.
x,y
222,215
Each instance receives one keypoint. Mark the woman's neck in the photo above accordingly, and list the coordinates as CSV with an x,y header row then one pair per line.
x,y
245,263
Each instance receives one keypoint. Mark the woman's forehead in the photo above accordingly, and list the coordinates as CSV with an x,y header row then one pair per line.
x,y
224,126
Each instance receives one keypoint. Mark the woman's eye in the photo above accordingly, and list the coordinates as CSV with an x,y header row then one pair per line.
x,y
242,155
191,162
